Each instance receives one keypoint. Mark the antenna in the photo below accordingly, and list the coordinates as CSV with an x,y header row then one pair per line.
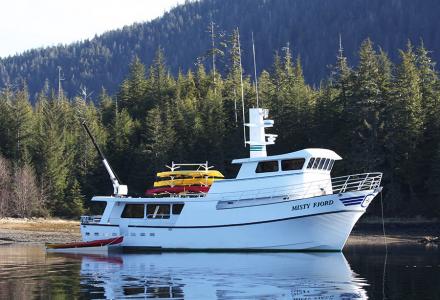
x,y
255,68
59,83
341,50
242,89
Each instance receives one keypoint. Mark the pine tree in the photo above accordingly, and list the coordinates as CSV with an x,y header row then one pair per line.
x,y
22,125
6,133
132,94
187,123
74,204
161,138
365,110
404,127
50,155
430,140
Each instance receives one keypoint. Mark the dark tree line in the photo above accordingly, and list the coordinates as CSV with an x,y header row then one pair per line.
x,y
313,26
377,115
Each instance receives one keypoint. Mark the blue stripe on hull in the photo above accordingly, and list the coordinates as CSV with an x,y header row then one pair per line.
x,y
352,200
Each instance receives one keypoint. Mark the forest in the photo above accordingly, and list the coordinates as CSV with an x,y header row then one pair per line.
x,y
378,115
313,28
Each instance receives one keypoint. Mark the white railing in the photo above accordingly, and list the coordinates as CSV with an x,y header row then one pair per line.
x,y
356,182
90,219
336,185
350,183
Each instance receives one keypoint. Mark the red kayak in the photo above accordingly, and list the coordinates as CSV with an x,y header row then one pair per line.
x,y
177,190
96,243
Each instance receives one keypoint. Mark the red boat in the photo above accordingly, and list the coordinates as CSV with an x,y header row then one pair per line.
x,y
97,245
177,190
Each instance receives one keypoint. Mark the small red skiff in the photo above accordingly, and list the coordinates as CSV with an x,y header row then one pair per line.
x,y
91,246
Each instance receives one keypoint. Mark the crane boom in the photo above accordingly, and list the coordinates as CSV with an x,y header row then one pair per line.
x,y
118,189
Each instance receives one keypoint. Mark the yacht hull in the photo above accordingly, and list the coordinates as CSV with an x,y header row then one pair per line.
x,y
323,232
283,226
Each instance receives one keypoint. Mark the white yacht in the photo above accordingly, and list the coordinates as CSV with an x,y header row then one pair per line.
x,y
279,202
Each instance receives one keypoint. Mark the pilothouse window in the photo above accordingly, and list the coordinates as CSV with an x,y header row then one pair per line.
x,y
158,211
330,165
133,211
326,163
267,166
177,208
310,164
317,160
321,163
292,164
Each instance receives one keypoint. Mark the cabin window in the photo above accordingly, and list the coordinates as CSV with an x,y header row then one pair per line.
x,y
177,208
133,211
330,165
267,166
310,164
292,164
158,211
317,160
327,161
321,163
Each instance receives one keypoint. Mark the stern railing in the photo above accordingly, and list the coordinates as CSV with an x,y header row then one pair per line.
x,y
90,219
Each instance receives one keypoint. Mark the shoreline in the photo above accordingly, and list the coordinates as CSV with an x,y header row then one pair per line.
x,y
367,232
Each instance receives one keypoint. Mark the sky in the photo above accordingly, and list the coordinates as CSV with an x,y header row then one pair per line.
x,y
27,24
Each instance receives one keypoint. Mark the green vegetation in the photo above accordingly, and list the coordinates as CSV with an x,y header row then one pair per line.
x,y
311,26
377,115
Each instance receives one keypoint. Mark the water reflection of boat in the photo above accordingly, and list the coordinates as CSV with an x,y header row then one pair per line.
x,y
221,276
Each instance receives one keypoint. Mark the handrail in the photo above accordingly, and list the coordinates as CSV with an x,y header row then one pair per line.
x,y
90,219
336,185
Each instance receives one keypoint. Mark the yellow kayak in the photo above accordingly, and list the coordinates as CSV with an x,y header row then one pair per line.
x,y
185,181
190,173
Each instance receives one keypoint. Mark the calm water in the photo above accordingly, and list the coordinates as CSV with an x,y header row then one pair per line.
x,y
27,272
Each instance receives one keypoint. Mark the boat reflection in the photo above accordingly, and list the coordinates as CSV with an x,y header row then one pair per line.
x,y
220,276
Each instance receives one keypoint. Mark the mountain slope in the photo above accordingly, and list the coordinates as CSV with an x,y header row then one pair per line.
x,y
311,27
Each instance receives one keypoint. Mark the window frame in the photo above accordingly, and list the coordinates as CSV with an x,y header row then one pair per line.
x,y
257,171
316,163
182,205
330,165
321,163
155,213
326,163
303,160
310,163
133,204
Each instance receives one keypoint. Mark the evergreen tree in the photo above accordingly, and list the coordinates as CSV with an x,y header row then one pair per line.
x,y
160,138
365,111
6,133
404,128
50,155
133,90
430,140
74,204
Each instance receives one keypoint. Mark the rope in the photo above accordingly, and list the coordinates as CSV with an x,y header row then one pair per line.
x,y
386,249
383,224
